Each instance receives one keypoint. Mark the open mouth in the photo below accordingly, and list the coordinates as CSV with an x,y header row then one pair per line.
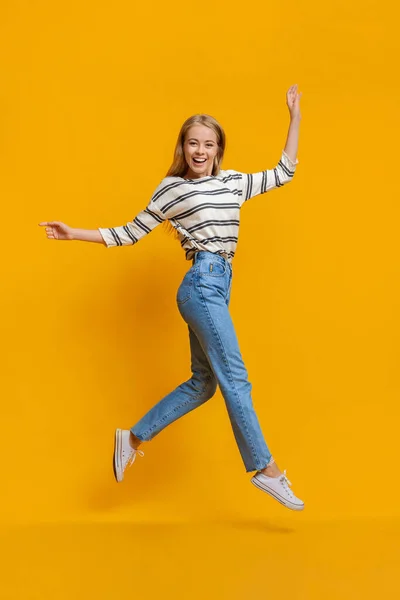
x,y
199,161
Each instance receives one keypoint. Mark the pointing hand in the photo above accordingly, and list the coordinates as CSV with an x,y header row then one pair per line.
x,y
55,230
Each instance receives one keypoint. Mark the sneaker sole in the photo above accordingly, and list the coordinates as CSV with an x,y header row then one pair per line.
x,y
263,488
117,453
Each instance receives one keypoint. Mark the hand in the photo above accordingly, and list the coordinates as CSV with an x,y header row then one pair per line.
x,y
293,101
56,230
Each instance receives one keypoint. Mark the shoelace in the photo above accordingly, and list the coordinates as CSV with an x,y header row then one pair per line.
x,y
132,457
285,482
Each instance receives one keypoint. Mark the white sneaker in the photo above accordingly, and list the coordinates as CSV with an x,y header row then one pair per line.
x,y
124,454
278,488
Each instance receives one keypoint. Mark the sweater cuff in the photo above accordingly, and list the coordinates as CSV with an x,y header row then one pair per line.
x,y
107,237
291,165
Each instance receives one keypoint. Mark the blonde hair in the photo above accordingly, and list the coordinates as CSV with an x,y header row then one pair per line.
x,y
179,165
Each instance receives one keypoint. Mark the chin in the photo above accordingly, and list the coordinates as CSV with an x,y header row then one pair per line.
x,y
202,173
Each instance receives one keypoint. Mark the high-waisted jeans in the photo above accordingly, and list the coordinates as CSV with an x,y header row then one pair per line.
x,y
203,301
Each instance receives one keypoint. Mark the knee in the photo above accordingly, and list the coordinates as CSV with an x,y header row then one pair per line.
x,y
210,388
207,389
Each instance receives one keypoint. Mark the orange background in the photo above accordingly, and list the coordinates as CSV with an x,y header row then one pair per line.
x,y
92,98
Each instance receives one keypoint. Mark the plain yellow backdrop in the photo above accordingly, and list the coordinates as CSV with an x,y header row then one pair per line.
x,y
92,98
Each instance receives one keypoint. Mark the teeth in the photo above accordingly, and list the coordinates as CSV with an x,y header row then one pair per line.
x,y
199,160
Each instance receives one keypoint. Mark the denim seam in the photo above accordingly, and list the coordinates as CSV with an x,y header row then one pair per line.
x,y
165,417
195,398
254,452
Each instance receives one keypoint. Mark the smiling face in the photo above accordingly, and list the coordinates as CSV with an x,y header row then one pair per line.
x,y
200,149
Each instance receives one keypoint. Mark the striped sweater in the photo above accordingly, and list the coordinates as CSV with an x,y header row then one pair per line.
x,y
205,211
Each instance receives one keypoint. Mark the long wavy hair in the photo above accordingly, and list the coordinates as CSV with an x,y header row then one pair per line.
x,y
179,165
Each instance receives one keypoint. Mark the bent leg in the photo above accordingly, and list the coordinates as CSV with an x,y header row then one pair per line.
x,y
183,399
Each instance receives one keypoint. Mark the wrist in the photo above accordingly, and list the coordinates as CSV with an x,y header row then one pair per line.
x,y
72,234
295,118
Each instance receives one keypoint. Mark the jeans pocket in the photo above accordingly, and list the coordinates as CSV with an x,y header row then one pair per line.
x,y
184,292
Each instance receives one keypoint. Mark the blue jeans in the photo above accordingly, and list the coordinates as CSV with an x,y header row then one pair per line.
x,y
203,300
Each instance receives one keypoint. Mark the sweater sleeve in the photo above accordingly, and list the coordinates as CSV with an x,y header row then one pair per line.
x,y
259,183
144,222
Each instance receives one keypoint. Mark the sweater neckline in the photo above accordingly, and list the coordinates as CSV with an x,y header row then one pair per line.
x,y
199,178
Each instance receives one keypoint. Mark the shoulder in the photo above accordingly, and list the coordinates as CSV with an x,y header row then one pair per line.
x,y
165,187
227,175
167,181
226,172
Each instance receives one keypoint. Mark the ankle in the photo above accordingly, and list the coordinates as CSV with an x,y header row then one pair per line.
x,y
134,441
271,470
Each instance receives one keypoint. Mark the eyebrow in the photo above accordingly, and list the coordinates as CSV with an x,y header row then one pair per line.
x,y
196,140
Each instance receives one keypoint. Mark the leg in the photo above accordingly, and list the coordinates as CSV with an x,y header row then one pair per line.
x,y
206,312
185,398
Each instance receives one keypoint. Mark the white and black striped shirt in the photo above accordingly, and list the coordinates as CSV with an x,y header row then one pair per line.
x,y
204,211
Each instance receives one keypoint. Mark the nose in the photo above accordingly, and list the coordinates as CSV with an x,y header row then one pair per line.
x,y
199,151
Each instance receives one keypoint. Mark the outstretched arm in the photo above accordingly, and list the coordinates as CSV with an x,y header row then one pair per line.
x,y
56,230
123,235
132,232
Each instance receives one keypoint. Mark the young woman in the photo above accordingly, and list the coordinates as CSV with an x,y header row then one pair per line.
x,y
202,203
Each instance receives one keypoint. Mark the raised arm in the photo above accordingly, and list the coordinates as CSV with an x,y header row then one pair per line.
x,y
259,183
292,140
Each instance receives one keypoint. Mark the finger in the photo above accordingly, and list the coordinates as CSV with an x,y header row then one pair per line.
x,y
43,223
